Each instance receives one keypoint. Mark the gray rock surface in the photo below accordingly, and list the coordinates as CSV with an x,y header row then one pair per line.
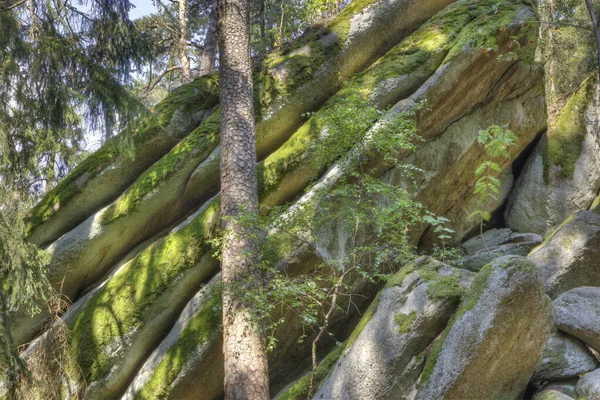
x,y
543,195
564,357
588,387
488,351
500,242
490,238
578,313
570,257
407,315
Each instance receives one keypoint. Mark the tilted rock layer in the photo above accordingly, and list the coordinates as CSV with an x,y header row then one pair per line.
x,y
130,238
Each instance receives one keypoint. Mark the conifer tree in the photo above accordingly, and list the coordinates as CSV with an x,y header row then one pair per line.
x,y
63,71
246,375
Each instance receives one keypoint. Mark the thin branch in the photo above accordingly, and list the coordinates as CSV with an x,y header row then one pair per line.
x,y
151,87
17,4
196,45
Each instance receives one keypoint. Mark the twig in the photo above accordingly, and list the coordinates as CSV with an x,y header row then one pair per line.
x,y
17,4
151,87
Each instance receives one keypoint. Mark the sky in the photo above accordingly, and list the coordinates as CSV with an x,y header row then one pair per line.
x,y
142,7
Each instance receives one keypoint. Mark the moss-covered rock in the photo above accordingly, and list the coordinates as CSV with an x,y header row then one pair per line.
x,y
150,204
393,77
489,326
188,154
345,48
403,320
198,325
564,357
588,386
562,176
568,257
315,68
551,395
299,390
123,320
103,175
569,156
126,314
446,184
565,136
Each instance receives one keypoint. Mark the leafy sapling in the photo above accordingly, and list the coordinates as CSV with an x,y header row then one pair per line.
x,y
497,141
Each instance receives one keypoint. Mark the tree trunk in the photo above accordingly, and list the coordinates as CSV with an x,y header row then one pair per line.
x,y
261,15
207,64
50,173
186,73
246,374
596,28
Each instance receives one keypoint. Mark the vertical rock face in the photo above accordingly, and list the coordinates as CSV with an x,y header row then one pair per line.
x,y
568,258
578,313
562,176
406,316
487,351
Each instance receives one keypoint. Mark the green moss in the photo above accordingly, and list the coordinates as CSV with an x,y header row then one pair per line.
x,y
433,356
195,147
141,132
201,328
368,314
299,390
200,94
551,395
68,187
443,287
480,284
303,58
118,307
405,322
354,106
478,287
595,204
396,280
341,25
551,234
566,135
300,65
493,16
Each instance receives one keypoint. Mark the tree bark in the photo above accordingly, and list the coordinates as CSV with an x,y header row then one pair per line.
x,y
186,73
261,15
246,374
207,64
596,28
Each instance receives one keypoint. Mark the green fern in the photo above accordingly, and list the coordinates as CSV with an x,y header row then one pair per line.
x,y
497,141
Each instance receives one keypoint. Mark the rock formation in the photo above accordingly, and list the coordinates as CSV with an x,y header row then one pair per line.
x,y
129,238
